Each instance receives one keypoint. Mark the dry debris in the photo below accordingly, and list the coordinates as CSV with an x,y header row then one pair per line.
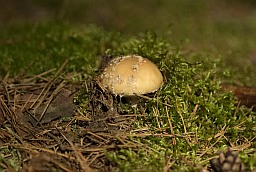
x,y
38,117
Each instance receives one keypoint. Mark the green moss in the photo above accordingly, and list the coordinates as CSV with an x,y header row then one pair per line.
x,y
32,49
204,119
129,160
202,115
9,157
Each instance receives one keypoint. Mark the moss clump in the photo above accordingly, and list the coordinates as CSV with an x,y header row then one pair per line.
x,y
190,118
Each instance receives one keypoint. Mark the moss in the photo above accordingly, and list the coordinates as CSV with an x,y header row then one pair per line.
x,y
42,47
203,117
182,125
9,157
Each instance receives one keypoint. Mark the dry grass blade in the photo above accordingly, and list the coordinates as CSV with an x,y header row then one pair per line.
x,y
5,112
54,93
184,125
81,159
171,127
40,76
34,149
6,92
46,89
220,135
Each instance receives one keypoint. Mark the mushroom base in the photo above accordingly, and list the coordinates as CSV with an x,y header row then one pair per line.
x,y
133,101
128,104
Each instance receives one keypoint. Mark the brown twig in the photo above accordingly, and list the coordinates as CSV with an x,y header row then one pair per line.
x,y
81,159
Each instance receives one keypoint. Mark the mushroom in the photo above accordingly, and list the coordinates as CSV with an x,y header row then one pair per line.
x,y
131,75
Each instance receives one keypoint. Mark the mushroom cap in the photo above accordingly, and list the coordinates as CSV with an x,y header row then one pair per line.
x,y
129,75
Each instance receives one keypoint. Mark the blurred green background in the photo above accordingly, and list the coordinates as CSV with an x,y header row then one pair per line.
x,y
225,29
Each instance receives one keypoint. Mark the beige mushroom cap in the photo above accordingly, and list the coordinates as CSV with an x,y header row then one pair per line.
x,y
129,75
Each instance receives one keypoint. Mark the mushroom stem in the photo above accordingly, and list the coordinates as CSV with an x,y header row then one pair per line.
x,y
133,101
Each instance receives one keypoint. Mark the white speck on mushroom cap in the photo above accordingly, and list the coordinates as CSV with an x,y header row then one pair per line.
x,y
129,75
